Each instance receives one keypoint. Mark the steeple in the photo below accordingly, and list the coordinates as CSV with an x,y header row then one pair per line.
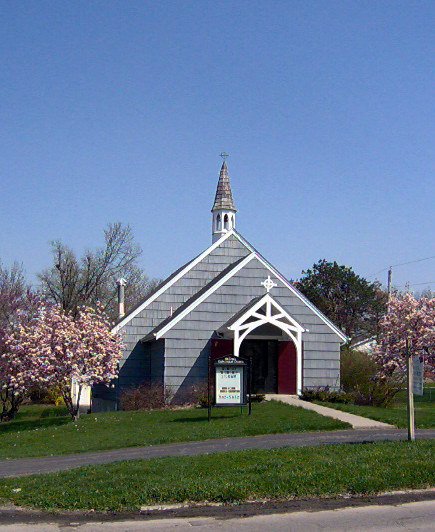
x,y
224,210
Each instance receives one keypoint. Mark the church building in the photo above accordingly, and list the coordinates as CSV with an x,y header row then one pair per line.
x,y
229,300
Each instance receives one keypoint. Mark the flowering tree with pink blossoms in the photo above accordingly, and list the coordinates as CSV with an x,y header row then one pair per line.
x,y
18,305
408,320
18,373
61,349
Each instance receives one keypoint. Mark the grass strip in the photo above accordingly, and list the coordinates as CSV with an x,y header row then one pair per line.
x,y
396,414
41,431
231,477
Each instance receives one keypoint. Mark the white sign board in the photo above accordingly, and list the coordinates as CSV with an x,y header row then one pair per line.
x,y
418,367
229,384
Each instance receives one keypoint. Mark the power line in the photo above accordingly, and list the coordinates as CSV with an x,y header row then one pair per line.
x,y
417,284
402,264
412,261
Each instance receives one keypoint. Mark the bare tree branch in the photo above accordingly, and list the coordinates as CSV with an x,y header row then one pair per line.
x,y
73,281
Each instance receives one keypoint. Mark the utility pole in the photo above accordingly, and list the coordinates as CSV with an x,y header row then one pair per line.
x,y
390,276
410,394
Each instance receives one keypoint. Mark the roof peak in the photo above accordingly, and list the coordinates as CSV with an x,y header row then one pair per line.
x,y
224,196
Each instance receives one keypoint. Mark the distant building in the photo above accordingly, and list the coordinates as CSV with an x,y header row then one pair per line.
x,y
227,300
365,345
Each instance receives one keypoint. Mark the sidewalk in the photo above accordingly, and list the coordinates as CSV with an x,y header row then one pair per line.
x,y
357,422
32,466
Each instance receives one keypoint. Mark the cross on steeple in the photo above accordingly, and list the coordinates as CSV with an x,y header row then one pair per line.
x,y
224,155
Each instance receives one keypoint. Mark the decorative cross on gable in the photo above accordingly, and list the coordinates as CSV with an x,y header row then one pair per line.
x,y
268,284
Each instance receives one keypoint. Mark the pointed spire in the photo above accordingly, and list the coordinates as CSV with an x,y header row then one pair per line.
x,y
224,196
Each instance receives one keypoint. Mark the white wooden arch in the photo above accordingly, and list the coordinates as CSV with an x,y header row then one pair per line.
x,y
268,311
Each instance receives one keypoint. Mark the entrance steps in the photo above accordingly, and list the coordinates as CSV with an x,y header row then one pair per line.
x,y
357,422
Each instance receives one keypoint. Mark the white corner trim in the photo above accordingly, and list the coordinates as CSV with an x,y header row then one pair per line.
x,y
300,296
188,267
205,295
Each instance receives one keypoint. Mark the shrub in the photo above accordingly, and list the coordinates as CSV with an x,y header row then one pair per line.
x,y
326,395
258,397
197,395
360,379
380,393
47,396
357,370
143,397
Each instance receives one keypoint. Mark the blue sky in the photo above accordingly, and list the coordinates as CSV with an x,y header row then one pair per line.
x,y
118,111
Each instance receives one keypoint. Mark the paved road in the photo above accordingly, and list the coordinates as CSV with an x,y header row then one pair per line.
x,y
31,466
411,516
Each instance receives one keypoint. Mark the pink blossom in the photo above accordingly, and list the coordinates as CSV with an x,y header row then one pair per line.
x,y
408,319
55,348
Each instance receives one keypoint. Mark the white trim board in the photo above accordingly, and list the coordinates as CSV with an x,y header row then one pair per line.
x,y
267,298
167,285
205,295
200,257
224,279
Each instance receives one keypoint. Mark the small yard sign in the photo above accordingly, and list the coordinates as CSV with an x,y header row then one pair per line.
x,y
230,389
231,383
418,375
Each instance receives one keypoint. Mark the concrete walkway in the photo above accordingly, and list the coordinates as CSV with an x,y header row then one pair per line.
x,y
357,422
49,464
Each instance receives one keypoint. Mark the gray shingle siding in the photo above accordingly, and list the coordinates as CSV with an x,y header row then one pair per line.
x,y
321,344
145,362
181,358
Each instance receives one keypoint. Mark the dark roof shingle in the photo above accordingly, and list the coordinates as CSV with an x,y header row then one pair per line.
x,y
224,196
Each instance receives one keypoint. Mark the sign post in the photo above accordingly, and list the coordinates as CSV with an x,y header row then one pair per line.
x,y
410,395
231,377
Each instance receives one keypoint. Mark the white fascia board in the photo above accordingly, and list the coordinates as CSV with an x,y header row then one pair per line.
x,y
298,294
205,295
188,267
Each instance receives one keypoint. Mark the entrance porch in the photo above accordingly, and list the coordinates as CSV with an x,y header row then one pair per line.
x,y
271,339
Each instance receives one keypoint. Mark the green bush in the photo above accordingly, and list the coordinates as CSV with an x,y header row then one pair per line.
x,y
46,396
326,395
360,383
357,371
360,380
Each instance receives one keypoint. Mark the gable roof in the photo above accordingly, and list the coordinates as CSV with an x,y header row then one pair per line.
x,y
293,289
202,294
213,285
169,281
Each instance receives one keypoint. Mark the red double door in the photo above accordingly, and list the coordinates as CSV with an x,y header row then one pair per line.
x,y
286,363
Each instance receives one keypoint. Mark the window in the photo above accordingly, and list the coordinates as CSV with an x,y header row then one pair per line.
x,y
226,222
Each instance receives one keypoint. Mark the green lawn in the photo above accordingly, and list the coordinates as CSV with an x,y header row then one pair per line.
x,y
396,414
42,431
231,477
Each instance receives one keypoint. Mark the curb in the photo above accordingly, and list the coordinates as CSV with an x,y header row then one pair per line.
x,y
13,515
